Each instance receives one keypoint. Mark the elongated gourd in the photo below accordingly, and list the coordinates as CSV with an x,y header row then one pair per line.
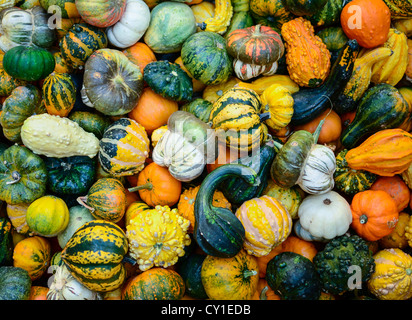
x,y
221,19
57,137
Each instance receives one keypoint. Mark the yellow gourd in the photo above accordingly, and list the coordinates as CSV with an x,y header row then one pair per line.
x,y
221,18
261,84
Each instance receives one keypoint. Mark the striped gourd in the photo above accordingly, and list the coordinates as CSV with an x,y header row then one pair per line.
x,y
237,113
267,224
106,199
124,148
59,94
80,42
94,255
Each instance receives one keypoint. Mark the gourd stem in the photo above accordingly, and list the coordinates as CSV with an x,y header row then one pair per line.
x,y
201,25
277,145
16,177
363,219
82,201
317,131
249,273
262,295
264,116
147,186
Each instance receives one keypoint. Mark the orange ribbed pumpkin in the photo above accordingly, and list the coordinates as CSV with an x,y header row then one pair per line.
x,y
140,54
267,224
385,153
374,214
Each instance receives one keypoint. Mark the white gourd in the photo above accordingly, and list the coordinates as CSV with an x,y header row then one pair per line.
x,y
245,71
57,137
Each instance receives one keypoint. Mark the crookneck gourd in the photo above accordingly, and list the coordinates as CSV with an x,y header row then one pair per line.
x,y
221,19
217,230
307,57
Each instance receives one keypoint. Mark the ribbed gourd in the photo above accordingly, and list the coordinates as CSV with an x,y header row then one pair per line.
x,y
267,224
221,18
124,148
307,57
157,237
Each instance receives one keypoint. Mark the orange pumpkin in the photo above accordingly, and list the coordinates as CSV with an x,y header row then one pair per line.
x,y
331,128
396,188
38,293
367,21
264,292
156,186
152,110
140,54
263,260
186,204
374,214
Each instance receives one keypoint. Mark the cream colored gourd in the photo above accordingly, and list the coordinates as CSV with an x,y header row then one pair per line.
x,y
245,71
317,174
324,216
58,137
66,287
131,26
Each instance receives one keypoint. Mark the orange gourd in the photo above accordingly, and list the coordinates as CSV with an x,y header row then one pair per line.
x,y
152,110
134,209
367,21
38,293
397,238
396,188
140,54
264,292
408,71
374,214
156,186
331,128
385,153
307,57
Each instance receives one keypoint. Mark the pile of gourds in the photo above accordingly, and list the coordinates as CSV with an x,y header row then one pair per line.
x,y
227,149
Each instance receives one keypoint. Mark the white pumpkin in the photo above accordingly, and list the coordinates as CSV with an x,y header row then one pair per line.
x,y
65,287
131,26
324,216
317,173
245,71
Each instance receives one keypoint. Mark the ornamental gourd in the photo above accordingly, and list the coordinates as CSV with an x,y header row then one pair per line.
x,y
325,216
267,224
131,26
270,13
15,283
59,94
221,18
186,147
94,255
101,13
124,148
157,237
307,57
58,137
391,279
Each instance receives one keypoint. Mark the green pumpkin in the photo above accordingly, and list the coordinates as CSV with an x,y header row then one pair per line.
x,y
205,57
169,80
190,270
23,102
171,23
329,14
217,231
94,255
28,63
348,180
293,277
90,121
271,13
200,108
23,176
8,83
112,84
79,215
6,242
304,7
15,283
333,37
381,107
80,41
70,175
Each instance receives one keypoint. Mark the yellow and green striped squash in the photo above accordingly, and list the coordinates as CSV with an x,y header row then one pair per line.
x,y
236,118
59,94
124,148
94,255
267,224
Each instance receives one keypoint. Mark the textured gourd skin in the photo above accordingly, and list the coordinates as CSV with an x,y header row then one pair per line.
x,y
57,137
190,270
145,245
221,18
293,277
399,9
93,122
200,108
6,242
391,279
291,198
307,57
351,181
329,14
373,156
304,8
94,255
15,283
102,14
338,255
8,83
59,94
270,13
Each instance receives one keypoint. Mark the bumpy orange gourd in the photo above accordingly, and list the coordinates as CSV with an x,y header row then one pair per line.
x,y
374,214
267,224
186,204
392,278
307,57
385,153
157,237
